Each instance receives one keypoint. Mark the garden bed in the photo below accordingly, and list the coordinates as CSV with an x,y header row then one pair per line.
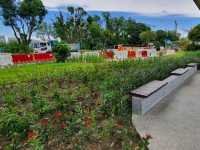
x,y
77,105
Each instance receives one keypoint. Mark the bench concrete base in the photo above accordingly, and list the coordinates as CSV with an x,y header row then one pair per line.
x,y
141,104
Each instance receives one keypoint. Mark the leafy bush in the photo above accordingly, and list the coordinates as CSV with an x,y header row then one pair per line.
x,y
184,43
14,47
62,52
14,124
2,46
193,47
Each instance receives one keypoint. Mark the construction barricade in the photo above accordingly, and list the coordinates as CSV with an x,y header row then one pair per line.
x,y
152,53
121,55
5,59
131,54
143,53
22,58
108,54
32,58
43,57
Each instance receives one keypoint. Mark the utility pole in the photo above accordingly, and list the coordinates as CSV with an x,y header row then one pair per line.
x,y
176,26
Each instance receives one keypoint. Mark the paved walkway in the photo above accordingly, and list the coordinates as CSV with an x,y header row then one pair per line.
x,y
175,123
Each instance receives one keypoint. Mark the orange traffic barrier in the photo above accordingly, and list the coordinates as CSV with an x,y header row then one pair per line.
x,y
108,54
131,54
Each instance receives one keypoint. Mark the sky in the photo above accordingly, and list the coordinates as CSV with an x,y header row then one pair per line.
x,y
148,7
184,11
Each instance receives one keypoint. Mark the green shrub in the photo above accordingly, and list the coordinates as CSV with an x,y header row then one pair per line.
x,y
193,47
14,47
15,124
87,59
2,46
62,52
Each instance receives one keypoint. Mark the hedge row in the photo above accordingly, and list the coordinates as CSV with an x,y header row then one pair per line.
x,y
76,105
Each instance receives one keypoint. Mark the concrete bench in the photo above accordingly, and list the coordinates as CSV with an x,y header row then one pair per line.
x,y
180,71
150,94
148,89
145,97
193,65
185,73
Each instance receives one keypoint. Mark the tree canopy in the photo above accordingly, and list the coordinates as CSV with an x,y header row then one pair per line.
x,y
194,34
97,32
148,37
23,17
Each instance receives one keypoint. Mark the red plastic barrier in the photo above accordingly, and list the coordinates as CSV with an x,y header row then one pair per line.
x,y
144,53
108,54
30,58
131,54
43,57
22,58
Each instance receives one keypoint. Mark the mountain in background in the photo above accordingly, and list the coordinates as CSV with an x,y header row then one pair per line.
x,y
157,21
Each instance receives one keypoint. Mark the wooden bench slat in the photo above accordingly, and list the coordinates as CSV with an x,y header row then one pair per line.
x,y
148,89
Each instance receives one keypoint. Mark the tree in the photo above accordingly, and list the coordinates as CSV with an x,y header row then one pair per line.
x,y
173,36
194,34
45,31
134,30
184,43
107,18
121,30
148,37
94,18
161,36
71,29
95,36
61,29
23,17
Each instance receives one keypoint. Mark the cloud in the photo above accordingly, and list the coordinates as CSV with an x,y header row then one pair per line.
x,y
186,7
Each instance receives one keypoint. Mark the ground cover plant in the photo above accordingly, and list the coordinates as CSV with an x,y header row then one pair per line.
x,y
87,59
77,105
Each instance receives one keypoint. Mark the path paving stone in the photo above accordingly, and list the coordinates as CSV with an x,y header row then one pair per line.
x,y
175,123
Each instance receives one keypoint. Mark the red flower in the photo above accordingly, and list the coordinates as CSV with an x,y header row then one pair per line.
x,y
63,125
119,124
44,122
32,135
58,114
87,122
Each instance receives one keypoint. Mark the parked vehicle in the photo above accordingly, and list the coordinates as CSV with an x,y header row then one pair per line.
x,y
42,46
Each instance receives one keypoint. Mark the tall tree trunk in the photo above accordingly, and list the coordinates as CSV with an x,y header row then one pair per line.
x,y
15,34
